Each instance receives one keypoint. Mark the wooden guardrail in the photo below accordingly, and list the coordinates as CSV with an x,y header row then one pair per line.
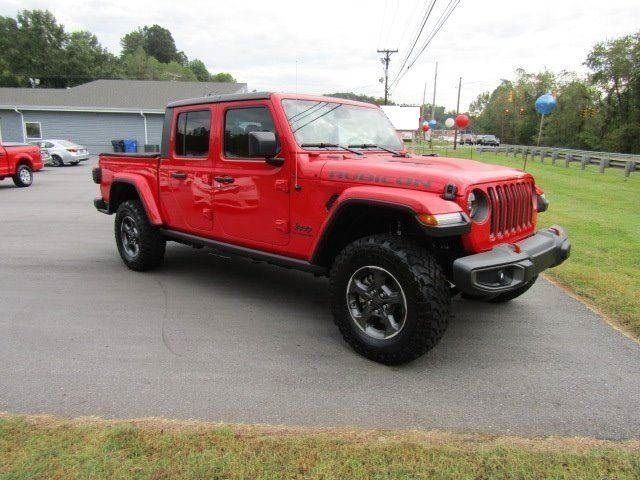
x,y
629,163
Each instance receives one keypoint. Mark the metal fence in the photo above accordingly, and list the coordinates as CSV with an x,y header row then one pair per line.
x,y
564,156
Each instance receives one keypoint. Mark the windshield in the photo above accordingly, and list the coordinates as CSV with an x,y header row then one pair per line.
x,y
329,123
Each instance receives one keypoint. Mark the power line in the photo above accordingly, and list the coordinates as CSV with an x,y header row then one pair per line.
x,y
435,32
384,15
425,18
393,22
444,16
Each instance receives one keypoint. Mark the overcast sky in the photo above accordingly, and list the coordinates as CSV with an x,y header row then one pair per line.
x,y
332,44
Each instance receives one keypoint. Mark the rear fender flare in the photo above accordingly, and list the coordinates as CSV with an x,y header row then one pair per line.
x,y
24,160
144,193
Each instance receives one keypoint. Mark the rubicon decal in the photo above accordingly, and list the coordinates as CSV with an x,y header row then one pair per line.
x,y
380,179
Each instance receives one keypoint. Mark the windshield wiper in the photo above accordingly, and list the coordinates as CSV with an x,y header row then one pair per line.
x,y
329,145
373,145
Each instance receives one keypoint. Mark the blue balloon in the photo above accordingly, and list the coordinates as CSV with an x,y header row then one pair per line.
x,y
545,104
432,124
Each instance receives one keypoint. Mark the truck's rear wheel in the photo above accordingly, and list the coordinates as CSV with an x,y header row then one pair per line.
x,y
390,299
23,176
140,244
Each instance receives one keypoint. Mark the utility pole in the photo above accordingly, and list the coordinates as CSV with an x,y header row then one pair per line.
x,y
385,61
423,112
433,104
455,134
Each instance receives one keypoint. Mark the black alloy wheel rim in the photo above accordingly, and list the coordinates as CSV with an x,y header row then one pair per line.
x,y
130,236
376,302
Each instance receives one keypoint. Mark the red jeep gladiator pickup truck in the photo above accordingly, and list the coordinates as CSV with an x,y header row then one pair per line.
x,y
19,161
324,185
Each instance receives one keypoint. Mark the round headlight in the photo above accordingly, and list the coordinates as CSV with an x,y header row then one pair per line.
x,y
478,205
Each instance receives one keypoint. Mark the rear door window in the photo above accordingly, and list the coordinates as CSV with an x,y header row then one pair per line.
x,y
193,130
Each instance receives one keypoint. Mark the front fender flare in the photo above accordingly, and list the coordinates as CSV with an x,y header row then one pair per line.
x,y
411,202
145,193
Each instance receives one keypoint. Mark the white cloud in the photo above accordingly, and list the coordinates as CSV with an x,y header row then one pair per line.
x,y
333,43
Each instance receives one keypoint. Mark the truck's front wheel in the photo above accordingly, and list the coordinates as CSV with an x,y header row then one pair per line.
x,y
390,298
140,244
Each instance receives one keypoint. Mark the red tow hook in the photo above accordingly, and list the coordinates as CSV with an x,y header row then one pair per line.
x,y
555,230
516,247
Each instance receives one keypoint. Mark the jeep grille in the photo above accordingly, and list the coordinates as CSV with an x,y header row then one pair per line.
x,y
511,207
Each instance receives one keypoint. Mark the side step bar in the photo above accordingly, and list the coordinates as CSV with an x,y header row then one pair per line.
x,y
257,255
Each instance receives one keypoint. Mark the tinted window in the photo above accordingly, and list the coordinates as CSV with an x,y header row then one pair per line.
x,y
33,129
237,125
192,133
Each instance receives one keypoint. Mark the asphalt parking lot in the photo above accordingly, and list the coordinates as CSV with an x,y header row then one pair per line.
x,y
220,339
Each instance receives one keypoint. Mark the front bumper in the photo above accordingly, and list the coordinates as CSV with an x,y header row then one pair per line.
x,y
101,205
508,266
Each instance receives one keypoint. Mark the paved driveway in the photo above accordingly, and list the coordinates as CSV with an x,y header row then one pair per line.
x,y
222,339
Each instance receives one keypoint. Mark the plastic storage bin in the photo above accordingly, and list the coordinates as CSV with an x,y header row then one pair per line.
x,y
130,145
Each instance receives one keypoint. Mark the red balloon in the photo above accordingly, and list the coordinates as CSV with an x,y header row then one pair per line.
x,y
425,127
462,121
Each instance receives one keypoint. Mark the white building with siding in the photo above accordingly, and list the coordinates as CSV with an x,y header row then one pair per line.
x,y
95,113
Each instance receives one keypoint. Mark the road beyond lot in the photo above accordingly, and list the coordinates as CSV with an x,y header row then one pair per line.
x,y
219,339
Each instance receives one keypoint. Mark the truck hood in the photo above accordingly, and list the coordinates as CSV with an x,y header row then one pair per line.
x,y
416,172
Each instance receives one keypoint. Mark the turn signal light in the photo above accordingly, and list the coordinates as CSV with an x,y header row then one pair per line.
x,y
442,219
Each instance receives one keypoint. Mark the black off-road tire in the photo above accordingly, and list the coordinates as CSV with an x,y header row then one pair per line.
x,y
23,176
151,243
503,297
427,292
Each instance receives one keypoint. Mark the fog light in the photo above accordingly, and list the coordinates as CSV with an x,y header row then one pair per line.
x,y
497,278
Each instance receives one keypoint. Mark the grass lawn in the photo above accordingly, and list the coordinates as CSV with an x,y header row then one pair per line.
x,y
601,213
48,448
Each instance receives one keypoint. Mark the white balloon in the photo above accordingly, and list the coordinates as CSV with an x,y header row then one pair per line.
x,y
449,122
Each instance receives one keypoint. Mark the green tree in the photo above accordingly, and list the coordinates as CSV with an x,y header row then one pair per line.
x,y
159,43
615,67
141,66
223,77
8,52
156,41
358,97
199,69
86,60
132,41
38,42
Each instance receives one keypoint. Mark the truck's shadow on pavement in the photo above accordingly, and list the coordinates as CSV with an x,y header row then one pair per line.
x,y
297,303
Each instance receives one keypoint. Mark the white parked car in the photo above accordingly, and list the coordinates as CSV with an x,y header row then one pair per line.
x,y
64,152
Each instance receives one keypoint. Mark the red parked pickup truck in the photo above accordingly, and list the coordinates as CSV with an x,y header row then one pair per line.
x,y
325,185
19,161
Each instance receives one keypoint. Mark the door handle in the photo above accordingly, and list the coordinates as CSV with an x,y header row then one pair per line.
x,y
225,179
179,175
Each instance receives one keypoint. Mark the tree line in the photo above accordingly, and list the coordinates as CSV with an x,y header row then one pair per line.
x,y
35,50
598,112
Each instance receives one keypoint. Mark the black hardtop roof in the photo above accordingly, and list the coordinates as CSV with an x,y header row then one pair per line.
x,y
229,97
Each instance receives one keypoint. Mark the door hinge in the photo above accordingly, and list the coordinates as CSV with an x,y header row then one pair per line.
x,y
282,186
282,225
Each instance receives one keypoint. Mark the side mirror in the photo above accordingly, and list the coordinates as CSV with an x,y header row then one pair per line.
x,y
262,144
